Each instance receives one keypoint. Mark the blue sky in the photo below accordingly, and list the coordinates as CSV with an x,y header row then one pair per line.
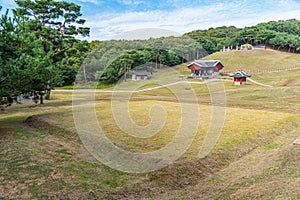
x,y
110,18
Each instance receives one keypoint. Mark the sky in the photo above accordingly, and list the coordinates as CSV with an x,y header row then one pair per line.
x,y
117,19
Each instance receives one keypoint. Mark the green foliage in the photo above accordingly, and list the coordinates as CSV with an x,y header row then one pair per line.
x,y
30,66
61,22
281,35
57,15
38,48
113,59
214,39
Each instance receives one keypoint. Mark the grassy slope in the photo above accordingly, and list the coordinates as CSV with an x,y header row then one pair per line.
x,y
253,62
45,159
271,171
256,60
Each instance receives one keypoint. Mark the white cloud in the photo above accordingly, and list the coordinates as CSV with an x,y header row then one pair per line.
x,y
146,33
182,20
130,2
97,2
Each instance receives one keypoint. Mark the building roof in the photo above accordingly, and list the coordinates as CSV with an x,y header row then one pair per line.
x,y
246,45
240,74
206,63
140,72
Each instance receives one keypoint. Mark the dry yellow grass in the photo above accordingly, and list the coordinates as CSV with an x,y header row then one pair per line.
x,y
252,159
256,60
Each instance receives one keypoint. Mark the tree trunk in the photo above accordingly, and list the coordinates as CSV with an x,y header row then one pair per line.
x,y
84,73
156,59
41,99
125,69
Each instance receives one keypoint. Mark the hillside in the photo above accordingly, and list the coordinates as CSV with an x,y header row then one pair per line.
x,y
269,172
256,60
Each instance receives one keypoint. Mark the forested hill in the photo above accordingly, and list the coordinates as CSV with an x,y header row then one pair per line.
x,y
170,51
280,35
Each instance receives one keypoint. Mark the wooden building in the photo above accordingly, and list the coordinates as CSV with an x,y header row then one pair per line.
x,y
240,77
205,68
139,74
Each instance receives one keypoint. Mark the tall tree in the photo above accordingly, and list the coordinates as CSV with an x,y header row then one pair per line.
x,y
27,63
61,16
58,23
33,45
8,52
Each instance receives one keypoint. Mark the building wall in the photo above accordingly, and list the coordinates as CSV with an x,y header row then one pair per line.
x,y
240,81
218,67
194,67
139,77
133,77
207,71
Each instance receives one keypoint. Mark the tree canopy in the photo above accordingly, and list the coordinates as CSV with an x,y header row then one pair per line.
x,y
113,59
280,35
36,47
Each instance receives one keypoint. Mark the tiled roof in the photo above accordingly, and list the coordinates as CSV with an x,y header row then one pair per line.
x,y
206,63
140,72
240,74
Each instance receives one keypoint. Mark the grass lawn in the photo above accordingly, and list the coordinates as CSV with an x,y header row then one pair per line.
x,y
256,60
42,156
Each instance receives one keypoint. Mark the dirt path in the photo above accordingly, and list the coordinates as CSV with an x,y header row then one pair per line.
x,y
258,83
141,90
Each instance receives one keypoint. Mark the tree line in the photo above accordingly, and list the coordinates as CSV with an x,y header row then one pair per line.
x,y
170,51
280,35
115,58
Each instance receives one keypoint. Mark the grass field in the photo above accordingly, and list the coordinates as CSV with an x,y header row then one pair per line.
x,y
42,156
256,61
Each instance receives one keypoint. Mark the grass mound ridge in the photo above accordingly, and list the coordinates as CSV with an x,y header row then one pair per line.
x,y
185,172
41,123
271,171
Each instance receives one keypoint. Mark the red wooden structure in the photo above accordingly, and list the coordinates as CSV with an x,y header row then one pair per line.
x,y
240,77
205,68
